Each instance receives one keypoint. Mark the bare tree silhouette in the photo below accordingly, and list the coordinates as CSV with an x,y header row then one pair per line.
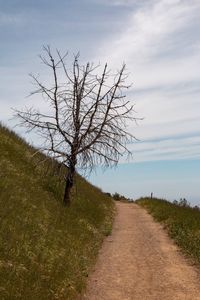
x,y
87,122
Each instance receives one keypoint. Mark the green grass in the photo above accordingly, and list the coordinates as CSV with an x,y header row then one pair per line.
x,y
182,223
46,250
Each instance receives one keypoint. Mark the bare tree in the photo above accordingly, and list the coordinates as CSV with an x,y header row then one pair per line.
x,y
86,125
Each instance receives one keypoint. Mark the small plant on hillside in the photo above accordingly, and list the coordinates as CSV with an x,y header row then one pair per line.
x,y
182,202
86,124
116,196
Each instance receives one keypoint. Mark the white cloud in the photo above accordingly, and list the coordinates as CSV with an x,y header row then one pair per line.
x,y
159,41
169,149
6,19
120,2
161,47
147,32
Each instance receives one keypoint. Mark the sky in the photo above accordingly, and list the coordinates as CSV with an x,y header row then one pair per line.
x,y
159,40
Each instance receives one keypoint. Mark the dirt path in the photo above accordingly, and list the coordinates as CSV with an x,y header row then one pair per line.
x,y
139,262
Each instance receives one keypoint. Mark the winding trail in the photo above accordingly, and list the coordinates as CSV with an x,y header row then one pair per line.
x,y
139,262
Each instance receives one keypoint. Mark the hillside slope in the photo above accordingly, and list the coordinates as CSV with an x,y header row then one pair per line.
x,y
181,222
46,250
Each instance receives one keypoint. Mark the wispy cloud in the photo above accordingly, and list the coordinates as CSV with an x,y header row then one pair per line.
x,y
9,19
158,39
168,149
119,2
160,44
150,32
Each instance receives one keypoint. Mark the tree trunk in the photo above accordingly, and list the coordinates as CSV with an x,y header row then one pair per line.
x,y
68,185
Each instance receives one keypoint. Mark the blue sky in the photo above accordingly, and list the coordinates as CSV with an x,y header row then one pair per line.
x,y
160,42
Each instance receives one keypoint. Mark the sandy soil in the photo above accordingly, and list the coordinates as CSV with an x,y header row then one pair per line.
x,y
139,262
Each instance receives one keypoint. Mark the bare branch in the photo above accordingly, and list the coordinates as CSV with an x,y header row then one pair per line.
x,y
87,116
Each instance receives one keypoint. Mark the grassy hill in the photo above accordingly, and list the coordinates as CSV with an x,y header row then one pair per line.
x,y
46,250
181,221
